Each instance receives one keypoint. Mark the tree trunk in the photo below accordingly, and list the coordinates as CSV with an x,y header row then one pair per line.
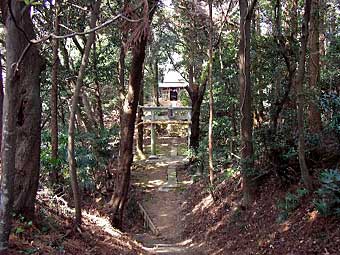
x,y
54,175
196,94
75,101
155,84
27,157
322,30
89,114
211,97
1,98
9,133
128,118
300,96
314,115
285,48
247,160
292,26
21,120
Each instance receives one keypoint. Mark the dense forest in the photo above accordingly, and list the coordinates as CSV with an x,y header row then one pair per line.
x,y
262,84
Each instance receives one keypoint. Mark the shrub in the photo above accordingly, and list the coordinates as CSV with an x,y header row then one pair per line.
x,y
290,203
328,202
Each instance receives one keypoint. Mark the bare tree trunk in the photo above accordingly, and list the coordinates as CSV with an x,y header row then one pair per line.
x,y
89,113
1,98
155,84
292,25
247,161
27,157
128,118
285,46
9,135
54,175
22,113
211,97
75,101
300,95
196,94
322,36
314,115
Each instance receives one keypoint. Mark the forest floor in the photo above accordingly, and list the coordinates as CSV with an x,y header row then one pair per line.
x,y
226,227
52,232
191,222
187,218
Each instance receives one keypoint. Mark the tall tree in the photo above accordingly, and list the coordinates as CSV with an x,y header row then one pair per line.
x,y
286,50
314,115
139,39
247,161
54,176
300,95
196,91
28,111
191,35
1,96
74,106
21,119
211,95
155,93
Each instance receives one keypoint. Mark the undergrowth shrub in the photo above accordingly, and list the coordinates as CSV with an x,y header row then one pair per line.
x,y
328,202
92,153
291,202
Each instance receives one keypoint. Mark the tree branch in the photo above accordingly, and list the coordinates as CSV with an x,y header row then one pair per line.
x,y
175,66
100,27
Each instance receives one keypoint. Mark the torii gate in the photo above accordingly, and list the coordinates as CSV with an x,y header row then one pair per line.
x,y
164,115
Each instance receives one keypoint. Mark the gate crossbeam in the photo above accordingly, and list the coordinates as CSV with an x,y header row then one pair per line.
x,y
164,115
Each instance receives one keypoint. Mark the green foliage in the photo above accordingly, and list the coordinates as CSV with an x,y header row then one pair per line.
x,y
330,75
328,202
290,203
230,172
92,152
19,230
184,98
198,159
30,251
24,224
32,2
330,104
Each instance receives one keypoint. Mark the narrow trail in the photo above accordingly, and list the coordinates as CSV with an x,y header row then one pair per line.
x,y
163,198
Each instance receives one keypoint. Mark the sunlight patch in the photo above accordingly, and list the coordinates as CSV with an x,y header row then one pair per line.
x,y
205,203
312,216
104,223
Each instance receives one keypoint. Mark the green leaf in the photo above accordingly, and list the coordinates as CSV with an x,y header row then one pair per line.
x,y
19,230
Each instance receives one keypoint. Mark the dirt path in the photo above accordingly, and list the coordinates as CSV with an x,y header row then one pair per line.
x,y
163,200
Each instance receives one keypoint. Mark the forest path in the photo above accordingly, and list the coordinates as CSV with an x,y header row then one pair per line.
x,y
162,185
